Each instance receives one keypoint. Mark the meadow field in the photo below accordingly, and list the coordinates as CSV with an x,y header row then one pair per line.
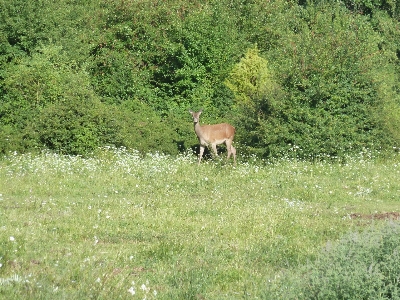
x,y
121,225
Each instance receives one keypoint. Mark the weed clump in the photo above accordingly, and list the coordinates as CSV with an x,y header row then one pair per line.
x,y
362,265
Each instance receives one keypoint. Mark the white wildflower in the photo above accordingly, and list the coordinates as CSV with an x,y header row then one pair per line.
x,y
144,287
132,290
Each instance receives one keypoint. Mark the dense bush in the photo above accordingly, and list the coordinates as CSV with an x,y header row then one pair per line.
x,y
141,128
169,61
360,266
50,103
317,77
81,127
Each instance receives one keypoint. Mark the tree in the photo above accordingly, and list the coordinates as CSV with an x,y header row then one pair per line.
x,y
250,79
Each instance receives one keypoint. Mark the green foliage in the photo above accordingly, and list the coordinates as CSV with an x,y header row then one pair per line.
x,y
141,128
256,94
150,54
360,266
323,79
46,97
29,85
27,25
250,78
372,6
117,74
332,77
32,83
73,127
197,59
70,127
50,103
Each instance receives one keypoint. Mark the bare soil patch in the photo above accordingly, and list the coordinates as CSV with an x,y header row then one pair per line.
x,y
377,216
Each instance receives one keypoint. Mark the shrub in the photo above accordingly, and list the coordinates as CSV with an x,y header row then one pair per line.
x,y
69,127
32,87
362,265
79,126
141,128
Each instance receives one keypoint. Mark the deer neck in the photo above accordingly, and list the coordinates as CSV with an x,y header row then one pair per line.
x,y
197,128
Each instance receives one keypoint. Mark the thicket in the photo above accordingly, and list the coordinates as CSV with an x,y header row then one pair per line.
x,y
362,265
297,78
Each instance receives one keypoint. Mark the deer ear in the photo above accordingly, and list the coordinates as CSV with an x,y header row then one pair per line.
x,y
191,111
201,110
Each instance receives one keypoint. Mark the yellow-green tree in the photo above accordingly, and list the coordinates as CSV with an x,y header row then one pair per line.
x,y
250,79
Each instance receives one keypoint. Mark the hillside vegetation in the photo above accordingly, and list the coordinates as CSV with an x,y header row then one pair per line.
x,y
297,78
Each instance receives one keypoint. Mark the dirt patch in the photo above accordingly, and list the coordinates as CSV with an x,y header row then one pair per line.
x,y
377,216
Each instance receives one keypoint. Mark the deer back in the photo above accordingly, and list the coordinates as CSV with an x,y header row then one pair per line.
x,y
217,133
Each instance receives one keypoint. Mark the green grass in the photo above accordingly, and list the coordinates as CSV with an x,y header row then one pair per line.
x,y
165,228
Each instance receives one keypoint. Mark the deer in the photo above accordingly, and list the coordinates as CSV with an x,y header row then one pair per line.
x,y
214,135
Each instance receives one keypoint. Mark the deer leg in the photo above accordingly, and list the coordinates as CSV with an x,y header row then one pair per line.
x,y
214,147
201,152
228,148
231,151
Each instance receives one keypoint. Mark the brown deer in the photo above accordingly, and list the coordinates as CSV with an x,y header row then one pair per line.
x,y
214,135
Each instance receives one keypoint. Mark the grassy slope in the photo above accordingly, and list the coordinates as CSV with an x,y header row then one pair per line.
x,y
105,227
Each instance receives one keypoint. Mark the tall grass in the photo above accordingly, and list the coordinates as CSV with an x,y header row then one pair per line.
x,y
123,226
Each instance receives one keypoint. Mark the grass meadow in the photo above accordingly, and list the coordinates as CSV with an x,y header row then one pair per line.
x,y
125,226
